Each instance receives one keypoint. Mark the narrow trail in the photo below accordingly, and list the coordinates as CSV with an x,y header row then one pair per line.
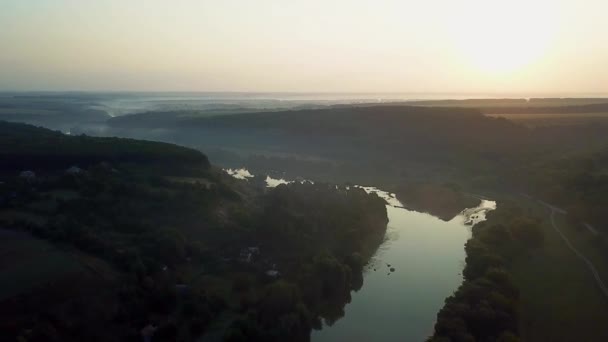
x,y
592,268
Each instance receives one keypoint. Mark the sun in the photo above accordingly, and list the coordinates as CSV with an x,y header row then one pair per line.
x,y
502,36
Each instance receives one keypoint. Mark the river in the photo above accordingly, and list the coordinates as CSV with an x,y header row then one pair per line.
x,y
427,255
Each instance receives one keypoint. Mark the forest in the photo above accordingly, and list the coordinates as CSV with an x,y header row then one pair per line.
x,y
176,249
411,144
142,206
486,306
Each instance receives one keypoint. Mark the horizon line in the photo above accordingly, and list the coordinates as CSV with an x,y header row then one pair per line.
x,y
514,93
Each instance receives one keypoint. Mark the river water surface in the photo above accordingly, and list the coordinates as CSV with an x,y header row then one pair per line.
x,y
427,255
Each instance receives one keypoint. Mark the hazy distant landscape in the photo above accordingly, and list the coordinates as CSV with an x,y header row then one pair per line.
x,y
434,156
303,170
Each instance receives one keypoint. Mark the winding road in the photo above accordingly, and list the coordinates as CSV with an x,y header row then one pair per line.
x,y
592,268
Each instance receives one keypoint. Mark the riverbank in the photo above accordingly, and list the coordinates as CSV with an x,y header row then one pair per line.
x,y
486,307
419,264
443,201
413,240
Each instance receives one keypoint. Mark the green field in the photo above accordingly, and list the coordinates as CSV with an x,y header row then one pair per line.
x,y
27,262
559,298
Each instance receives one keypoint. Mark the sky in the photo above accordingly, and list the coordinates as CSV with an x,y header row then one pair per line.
x,y
437,46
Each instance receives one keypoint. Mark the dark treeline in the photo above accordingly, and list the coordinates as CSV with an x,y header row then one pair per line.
x,y
179,251
395,144
50,150
358,136
555,109
321,238
510,103
441,200
578,183
485,307
431,136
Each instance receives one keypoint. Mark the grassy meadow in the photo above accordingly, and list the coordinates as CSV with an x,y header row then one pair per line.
x,y
559,297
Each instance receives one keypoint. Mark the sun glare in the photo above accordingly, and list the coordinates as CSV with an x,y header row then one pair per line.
x,y
502,37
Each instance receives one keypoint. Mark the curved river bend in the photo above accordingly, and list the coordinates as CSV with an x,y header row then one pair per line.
x,y
427,255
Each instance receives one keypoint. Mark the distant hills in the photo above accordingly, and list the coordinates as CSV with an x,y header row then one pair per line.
x,y
26,146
